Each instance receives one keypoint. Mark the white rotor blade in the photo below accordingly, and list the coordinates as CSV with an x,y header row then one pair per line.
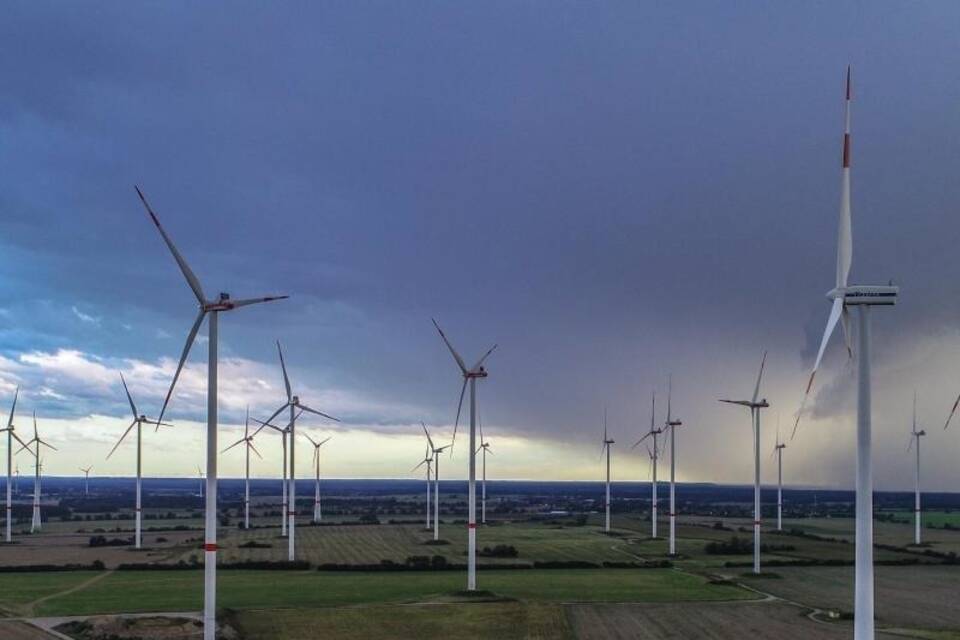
x,y
184,267
453,352
17,438
13,408
244,302
756,389
132,424
304,407
429,439
324,441
283,367
47,444
485,356
254,449
307,436
133,407
835,312
233,445
647,435
844,234
183,358
952,411
456,422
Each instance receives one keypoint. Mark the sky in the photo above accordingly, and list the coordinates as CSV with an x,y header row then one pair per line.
x,y
612,192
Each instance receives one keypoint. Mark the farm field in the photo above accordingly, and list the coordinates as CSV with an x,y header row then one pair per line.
x,y
126,591
13,630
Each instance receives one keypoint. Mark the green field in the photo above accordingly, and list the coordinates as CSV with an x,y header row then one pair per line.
x,y
125,591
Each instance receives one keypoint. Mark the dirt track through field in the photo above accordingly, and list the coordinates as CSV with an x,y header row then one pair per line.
x,y
16,630
29,608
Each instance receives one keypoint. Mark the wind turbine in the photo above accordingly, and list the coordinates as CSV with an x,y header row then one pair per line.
x,y
916,435
38,466
435,451
284,433
214,308
292,403
317,515
654,432
469,375
605,448
139,420
755,406
247,440
864,297
11,436
672,425
86,480
778,451
485,447
427,460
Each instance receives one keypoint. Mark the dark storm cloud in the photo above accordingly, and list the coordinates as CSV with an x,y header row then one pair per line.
x,y
611,191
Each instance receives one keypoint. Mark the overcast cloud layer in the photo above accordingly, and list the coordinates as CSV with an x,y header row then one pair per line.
x,y
611,192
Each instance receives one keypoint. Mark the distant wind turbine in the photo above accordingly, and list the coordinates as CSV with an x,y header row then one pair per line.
x,y
11,436
755,405
38,466
293,403
284,435
213,308
469,375
427,460
317,513
485,448
200,476
247,441
915,435
654,433
605,448
864,297
672,425
139,420
778,451
435,451
86,480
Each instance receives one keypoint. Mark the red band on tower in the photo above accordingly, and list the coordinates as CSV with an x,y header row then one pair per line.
x,y
472,525
210,547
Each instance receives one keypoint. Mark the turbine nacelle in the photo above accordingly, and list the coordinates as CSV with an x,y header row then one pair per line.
x,y
866,294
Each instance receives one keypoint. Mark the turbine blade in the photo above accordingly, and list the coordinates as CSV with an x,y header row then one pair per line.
x,y
453,352
456,422
254,449
304,407
910,445
669,398
952,411
133,407
233,445
324,441
184,267
183,358
429,439
307,436
653,409
13,408
275,414
286,380
422,462
132,425
756,389
637,443
244,302
844,235
485,356
835,312
17,438
246,423
48,445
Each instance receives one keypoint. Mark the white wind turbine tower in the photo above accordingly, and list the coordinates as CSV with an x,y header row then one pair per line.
x,y
755,406
654,432
672,425
11,436
317,514
427,460
247,441
284,433
605,448
86,480
485,448
200,475
469,375
778,451
864,297
435,451
138,421
916,435
38,466
293,403
214,308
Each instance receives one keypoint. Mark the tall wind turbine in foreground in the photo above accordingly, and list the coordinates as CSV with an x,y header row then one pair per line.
x,y
654,433
317,514
605,448
247,441
427,460
755,406
916,435
138,421
778,451
38,466
864,297
469,375
11,436
292,403
672,425
213,308
435,451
